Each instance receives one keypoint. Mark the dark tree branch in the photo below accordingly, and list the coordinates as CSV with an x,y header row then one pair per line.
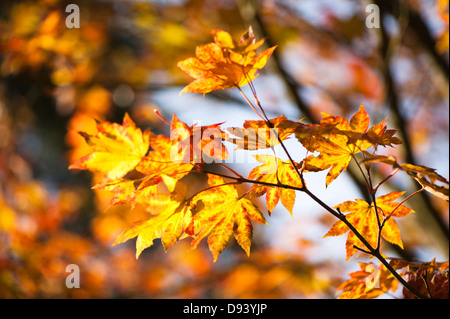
x,y
393,102
418,27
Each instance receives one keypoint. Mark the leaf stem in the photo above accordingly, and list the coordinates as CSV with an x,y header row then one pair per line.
x,y
401,203
245,180
362,173
362,250
385,179
270,126
231,170
369,184
249,102
160,116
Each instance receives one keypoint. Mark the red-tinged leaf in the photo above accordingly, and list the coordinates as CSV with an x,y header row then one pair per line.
x,y
256,135
223,64
197,144
360,121
371,158
369,282
363,217
122,189
116,149
338,140
275,171
224,215
428,278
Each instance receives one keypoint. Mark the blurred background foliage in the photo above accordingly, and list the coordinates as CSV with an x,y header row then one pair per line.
x,y
55,81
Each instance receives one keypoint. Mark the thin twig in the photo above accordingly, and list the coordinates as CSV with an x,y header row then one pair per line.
x,y
231,170
362,250
375,189
250,103
401,203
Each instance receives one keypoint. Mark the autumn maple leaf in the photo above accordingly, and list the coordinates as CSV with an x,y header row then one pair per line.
x,y
135,191
369,282
425,176
257,135
224,64
275,171
198,143
161,161
341,140
171,214
116,149
363,217
225,214
428,278
122,190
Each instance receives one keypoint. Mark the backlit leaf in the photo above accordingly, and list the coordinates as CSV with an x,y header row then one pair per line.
x,y
369,282
339,140
363,217
197,144
224,215
425,176
171,215
256,135
275,171
224,64
116,149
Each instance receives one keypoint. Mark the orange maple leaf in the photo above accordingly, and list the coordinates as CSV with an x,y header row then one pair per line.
x,y
122,189
116,149
224,64
161,161
225,214
256,135
198,143
341,139
135,191
369,282
275,171
363,217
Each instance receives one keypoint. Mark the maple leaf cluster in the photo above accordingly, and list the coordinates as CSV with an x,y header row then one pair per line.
x,y
121,150
142,168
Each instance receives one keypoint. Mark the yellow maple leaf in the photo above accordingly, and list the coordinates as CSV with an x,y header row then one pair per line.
x,y
116,149
161,161
275,171
363,217
197,143
225,214
171,214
